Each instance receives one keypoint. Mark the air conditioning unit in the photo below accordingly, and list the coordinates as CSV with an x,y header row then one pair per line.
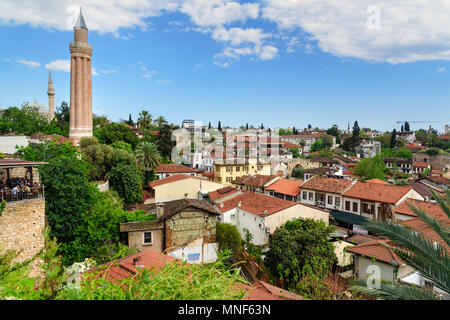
x,y
268,229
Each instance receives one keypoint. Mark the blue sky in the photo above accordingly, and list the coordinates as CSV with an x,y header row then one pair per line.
x,y
281,63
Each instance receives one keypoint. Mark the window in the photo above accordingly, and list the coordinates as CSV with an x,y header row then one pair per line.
x,y
148,237
238,169
337,201
305,195
355,206
229,179
330,200
229,169
310,196
347,205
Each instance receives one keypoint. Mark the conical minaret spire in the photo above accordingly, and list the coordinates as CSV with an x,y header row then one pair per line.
x,y
51,98
80,83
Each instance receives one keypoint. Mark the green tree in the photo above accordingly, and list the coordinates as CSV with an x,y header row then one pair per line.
x,y
317,145
371,168
68,194
122,145
144,120
99,121
62,117
160,121
298,172
100,156
417,251
299,244
165,142
149,158
113,132
228,237
403,153
407,128
127,181
394,139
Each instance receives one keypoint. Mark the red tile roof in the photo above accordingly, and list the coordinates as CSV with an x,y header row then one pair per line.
x,y
257,203
377,192
257,180
421,164
286,186
325,184
376,250
431,208
426,231
174,168
209,174
221,193
174,178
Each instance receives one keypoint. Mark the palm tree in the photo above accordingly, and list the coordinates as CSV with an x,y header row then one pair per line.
x,y
148,157
144,120
160,121
432,261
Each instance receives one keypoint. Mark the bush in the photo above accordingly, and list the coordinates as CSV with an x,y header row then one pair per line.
x,y
299,244
127,181
114,132
228,237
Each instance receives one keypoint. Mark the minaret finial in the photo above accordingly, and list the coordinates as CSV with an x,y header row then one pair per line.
x,y
80,23
50,76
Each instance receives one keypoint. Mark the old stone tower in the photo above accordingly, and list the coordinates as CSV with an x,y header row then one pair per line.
x,y
80,83
51,98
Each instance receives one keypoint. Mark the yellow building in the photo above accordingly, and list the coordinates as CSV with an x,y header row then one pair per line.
x,y
228,170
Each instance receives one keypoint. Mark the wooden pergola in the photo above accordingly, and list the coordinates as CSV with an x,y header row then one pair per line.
x,y
8,164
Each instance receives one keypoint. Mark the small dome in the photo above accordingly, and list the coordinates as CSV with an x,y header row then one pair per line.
x,y
41,108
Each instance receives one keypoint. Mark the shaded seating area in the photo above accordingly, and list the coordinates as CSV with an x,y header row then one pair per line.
x,y
17,181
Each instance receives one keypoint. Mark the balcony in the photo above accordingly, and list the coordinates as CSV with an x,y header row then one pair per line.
x,y
20,194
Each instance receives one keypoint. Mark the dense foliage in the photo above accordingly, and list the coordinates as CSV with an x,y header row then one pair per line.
x,y
228,237
127,181
371,168
114,132
299,247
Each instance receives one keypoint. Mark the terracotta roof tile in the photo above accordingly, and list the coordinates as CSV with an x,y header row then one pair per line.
x,y
286,186
257,203
375,249
377,192
431,208
174,178
331,185
221,193
174,168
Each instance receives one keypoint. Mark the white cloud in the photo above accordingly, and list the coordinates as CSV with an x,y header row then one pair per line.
x,y
163,81
63,65
59,65
209,13
441,69
29,63
100,15
236,36
409,30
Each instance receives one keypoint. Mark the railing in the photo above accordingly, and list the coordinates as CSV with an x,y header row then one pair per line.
x,y
29,193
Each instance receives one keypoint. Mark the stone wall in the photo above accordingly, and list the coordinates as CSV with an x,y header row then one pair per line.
x,y
19,173
136,240
21,227
439,161
189,225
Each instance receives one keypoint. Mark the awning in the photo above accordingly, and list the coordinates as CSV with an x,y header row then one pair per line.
x,y
348,217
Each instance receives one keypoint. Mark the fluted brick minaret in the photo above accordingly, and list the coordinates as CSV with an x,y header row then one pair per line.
x,y
51,98
80,83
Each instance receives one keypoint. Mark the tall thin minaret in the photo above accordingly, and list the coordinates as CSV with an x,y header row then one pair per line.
x,y
80,83
51,98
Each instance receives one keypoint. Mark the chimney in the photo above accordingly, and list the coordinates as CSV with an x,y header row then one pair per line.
x,y
136,261
159,210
